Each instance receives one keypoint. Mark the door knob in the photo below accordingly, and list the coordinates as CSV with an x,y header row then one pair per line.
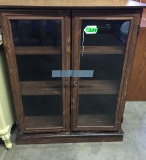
x,y
74,83
66,84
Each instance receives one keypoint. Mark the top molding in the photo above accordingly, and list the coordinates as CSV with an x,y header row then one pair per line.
x,y
72,3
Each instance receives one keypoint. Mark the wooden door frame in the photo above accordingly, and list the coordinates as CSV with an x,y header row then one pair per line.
x,y
6,16
134,17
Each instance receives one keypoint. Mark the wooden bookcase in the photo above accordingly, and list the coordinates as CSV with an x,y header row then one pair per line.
x,y
69,85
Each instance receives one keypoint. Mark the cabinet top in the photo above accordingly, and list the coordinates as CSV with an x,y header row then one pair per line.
x,y
70,3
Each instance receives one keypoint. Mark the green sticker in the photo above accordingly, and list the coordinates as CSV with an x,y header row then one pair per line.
x,y
91,29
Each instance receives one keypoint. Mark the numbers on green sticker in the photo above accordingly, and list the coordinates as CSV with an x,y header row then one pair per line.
x,y
91,29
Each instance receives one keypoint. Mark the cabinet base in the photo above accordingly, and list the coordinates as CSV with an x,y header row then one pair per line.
x,y
69,137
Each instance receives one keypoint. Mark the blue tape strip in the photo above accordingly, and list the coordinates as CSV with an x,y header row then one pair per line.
x,y
72,73
61,73
82,73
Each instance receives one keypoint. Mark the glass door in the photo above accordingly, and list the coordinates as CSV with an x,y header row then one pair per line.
x,y
40,44
99,46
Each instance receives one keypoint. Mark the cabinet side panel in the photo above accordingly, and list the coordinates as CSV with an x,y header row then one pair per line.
x,y
136,84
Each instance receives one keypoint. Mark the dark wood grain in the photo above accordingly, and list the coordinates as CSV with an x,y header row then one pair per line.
x,y
43,122
103,49
71,3
76,41
41,88
66,51
34,50
98,87
95,120
137,82
69,137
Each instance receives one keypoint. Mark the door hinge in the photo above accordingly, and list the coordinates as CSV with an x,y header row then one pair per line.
x,y
1,37
138,30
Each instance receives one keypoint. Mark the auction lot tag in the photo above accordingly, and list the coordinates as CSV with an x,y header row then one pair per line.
x,y
91,29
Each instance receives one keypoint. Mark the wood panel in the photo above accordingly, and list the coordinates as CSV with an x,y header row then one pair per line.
x,y
37,50
68,137
34,50
98,87
103,50
41,88
43,122
95,120
55,87
137,81
71,3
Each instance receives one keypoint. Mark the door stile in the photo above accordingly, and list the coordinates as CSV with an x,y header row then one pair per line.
x,y
66,66
76,31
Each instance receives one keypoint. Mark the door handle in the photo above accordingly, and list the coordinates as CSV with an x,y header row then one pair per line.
x,y
74,83
66,84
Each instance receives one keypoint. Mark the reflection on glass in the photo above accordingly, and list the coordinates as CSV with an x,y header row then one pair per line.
x,y
103,52
37,45
46,105
110,32
44,111
105,66
96,109
38,67
36,32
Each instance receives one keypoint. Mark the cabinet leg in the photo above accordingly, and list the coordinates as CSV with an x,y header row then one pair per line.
x,y
6,139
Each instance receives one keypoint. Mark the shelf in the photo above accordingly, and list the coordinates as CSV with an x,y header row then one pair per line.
x,y
103,50
98,87
37,50
41,87
43,122
55,87
95,120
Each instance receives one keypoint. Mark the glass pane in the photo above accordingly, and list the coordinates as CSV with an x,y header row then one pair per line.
x,y
37,45
36,32
104,53
44,111
110,32
96,110
38,67
105,66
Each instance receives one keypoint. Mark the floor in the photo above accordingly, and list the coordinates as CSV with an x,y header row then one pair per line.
x,y
133,146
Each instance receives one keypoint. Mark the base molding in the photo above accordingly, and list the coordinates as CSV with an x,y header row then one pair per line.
x,y
69,137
